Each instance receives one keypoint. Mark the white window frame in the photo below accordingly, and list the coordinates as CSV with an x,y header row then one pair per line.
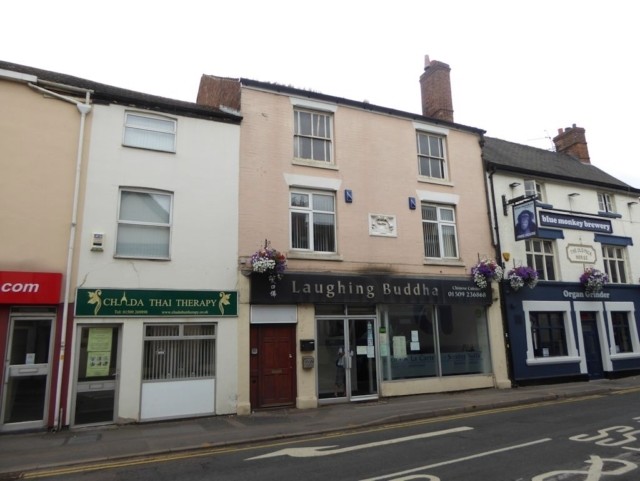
x,y
550,306
327,140
606,203
140,136
629,309
122,223
442,158
612,264
533,187
542,272
166,369
310,211
440,222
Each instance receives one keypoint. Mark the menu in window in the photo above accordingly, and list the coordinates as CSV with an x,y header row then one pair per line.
x,y
99,351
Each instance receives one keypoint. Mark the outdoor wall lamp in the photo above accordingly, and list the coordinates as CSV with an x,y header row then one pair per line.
x,y
633,202
513,185
574,194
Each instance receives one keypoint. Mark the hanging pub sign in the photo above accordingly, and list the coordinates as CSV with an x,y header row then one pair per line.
x,y
524,220
155,302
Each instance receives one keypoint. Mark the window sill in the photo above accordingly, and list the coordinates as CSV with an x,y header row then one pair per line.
x,y
625,355
315,163
139,147
443,262
552,360
314,256
161,259
609,214
431,180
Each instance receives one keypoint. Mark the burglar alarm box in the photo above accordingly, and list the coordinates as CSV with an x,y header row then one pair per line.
x,y
307,345
97,242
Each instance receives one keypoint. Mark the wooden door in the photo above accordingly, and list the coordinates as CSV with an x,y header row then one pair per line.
x,y
592,350
273,362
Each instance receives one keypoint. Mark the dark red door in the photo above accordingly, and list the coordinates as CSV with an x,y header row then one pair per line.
x,y
273,363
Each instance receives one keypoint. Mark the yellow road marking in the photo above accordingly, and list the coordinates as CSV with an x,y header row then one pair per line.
x,y
204,451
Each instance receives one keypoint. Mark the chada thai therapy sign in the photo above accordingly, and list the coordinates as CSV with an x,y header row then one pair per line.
x,y
155,302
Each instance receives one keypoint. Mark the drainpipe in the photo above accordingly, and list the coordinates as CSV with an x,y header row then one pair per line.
x,y
501,285
84,109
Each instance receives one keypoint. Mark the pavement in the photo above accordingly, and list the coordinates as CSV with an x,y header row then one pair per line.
x,y
22,453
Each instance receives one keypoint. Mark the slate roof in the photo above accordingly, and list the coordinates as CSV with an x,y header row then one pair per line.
x,y
523,159
288,90
103,93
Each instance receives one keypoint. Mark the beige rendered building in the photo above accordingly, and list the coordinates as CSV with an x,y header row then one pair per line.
x,y
381,215
42,133
118,254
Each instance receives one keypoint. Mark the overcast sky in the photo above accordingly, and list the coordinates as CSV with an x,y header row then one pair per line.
x,y
520,70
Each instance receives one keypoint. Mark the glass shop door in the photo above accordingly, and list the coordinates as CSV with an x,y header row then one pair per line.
x,y
346,359
97,375
25,393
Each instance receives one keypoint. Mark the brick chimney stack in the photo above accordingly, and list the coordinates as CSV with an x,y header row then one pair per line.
x,y
219,92
573,141
435,87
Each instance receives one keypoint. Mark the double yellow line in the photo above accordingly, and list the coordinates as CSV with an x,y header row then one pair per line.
x,y
204,451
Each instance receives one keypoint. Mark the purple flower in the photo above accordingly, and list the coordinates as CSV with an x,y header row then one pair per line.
x,y
485,271
593,280
521,275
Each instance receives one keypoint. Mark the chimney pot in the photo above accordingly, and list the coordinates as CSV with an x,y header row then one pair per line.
x,y
573,141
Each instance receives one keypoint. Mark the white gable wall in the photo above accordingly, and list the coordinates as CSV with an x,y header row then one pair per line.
x,y
203,176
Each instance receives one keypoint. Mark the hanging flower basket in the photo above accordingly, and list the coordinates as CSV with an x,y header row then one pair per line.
x,y
271,263
521,276
593,280
485,271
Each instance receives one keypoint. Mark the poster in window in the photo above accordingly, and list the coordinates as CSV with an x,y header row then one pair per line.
x,y
99,351
524,220
399,347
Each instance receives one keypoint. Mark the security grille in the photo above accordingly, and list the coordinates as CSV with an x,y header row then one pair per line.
x,y
179,351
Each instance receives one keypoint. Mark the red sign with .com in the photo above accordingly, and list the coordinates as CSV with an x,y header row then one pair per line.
x,y
30,287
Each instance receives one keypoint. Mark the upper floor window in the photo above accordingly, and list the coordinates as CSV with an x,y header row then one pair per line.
x,y
313,221
313,136
149,132
144,224
540,256
532,187
614,263
439,231
431,156
605,202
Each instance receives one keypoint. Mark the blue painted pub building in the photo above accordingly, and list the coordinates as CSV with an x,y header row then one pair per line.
x,y
558,215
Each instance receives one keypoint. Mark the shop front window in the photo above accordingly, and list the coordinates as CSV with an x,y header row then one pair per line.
x,y
548,334
428,341
621,332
